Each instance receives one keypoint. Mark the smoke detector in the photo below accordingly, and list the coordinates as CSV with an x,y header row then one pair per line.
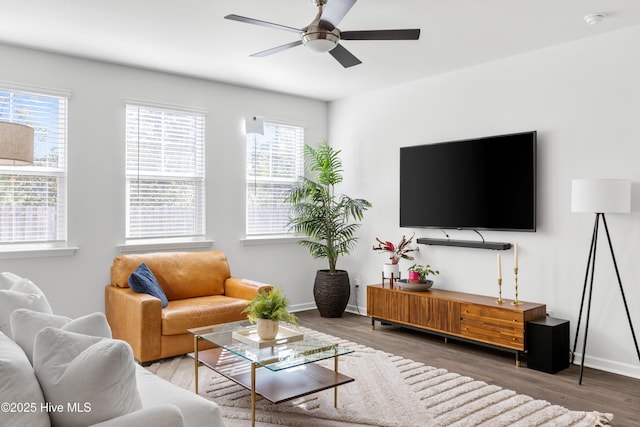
x,y
594,18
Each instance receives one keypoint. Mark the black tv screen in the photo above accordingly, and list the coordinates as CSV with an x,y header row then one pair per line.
x,y
485,183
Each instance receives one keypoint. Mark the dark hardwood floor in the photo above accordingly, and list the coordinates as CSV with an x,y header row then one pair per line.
x,y
600,391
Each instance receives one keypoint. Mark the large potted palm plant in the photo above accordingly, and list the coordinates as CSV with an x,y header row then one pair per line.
x,y
328,221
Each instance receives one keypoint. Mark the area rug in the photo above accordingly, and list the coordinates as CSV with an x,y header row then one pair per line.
x,y
389,391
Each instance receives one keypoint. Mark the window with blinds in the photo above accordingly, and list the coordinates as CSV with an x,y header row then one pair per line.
x,y
275,162
33,205
165,173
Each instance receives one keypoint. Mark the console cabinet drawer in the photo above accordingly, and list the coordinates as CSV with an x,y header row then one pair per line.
x,y
493,334
494,315
493,325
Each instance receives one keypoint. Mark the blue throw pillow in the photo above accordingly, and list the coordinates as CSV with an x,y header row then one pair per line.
x,y
144,282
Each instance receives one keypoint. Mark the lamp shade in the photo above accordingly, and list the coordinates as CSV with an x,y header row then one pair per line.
x,y
16,144
254,125
601,195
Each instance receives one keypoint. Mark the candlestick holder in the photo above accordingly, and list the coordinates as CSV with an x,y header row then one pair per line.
x,y
516,301
499,300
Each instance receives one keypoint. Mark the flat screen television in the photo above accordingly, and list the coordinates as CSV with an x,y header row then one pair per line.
x,y
481,184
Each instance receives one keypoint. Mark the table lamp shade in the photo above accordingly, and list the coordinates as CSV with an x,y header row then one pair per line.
x,y
16,144
601,195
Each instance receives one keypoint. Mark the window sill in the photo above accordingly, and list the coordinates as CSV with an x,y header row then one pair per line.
x,y
163,245
36,251
269,240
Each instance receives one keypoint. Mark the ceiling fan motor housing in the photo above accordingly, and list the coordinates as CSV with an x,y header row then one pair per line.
x,y
319,39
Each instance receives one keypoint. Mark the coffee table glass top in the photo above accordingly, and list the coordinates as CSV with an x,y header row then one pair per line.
x,y
281,356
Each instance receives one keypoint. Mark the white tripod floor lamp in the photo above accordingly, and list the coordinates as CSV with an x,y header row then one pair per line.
x,y
599,196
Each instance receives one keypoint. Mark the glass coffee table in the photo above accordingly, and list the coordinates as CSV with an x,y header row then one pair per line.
x,y
283,370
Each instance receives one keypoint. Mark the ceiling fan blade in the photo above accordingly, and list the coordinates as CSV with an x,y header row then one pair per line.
x,y
344,57
262,23
334,11
411,34
278,49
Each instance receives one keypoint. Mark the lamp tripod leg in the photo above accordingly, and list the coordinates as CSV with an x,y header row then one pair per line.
x,y
594,238
586,326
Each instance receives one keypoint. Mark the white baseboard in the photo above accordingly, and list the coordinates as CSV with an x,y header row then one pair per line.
x,y
351,308
606,365
311,306
302,307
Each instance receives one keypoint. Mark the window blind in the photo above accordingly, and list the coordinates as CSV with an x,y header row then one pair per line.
x,y
33,205
165,173
275,163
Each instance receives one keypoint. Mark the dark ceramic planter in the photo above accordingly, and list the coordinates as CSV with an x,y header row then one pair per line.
x,y
331,292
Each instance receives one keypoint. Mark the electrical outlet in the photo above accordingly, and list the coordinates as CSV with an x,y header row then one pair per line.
x,y
356,283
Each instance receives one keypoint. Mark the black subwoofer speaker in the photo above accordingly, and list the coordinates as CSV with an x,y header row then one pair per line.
x,y
548,344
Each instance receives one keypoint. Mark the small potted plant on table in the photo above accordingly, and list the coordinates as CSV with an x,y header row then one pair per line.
x,y
395,252
418,273
267,309
417,279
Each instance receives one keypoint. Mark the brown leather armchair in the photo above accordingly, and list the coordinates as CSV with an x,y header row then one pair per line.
x,y
200,291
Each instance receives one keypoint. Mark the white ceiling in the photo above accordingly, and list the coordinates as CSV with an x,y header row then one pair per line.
x,y
190,37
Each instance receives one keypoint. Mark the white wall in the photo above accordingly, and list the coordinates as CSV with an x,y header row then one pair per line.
x,y
96,192
582,98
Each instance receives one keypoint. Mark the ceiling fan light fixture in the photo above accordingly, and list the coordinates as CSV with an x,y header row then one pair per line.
x,y
320,41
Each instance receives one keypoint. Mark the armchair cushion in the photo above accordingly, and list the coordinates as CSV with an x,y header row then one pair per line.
x,y
180,274
190,313
143,281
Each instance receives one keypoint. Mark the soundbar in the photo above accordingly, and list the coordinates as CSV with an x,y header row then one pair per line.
x,y
500,246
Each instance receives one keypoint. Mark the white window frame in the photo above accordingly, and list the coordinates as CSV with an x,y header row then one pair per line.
x,y
47,112
253,232
135,174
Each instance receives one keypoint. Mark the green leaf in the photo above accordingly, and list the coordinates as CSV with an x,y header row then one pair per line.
x,y
270,305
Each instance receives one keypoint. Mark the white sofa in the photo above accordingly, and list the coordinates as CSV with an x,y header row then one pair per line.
x,y
63,372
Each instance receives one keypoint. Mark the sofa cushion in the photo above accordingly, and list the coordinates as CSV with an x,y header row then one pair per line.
x,y
181,315
19,386
17,292
95,373
196,410
143,281
180,274
25,325
166,415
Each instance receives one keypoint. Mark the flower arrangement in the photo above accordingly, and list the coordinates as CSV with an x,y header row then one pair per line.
x,y
396,251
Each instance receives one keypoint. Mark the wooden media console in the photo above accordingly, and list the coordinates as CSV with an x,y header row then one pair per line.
x,y
468,317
